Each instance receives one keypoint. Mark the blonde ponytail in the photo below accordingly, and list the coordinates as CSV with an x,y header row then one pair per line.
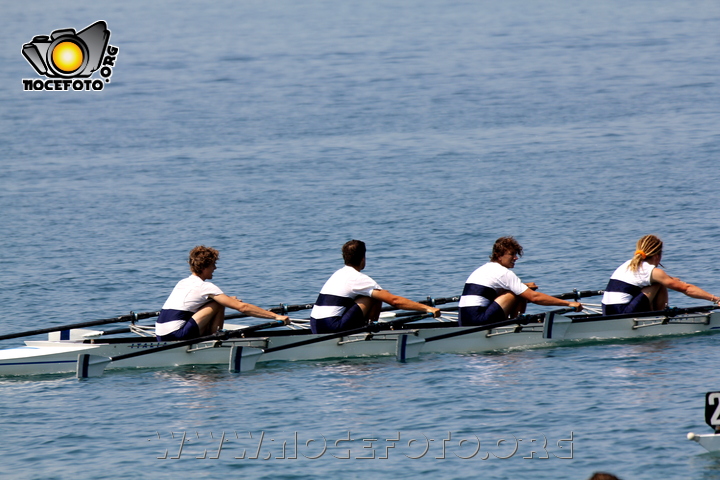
x,y
647,246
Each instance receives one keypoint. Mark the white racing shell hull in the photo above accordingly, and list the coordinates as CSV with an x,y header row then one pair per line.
x,y
566,331
710,442
60,356
47,357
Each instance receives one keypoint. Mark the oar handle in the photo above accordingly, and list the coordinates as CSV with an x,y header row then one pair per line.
x,y
578,294
560,311
433,302
282,310
412,313
124,318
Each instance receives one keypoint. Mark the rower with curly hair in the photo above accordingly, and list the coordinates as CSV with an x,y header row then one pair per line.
x,y
493,293
196,307
639,285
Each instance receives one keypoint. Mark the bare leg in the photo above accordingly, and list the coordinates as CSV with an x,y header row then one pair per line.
x,y
661,299
520,307
210,318
511,304
370,308
658,296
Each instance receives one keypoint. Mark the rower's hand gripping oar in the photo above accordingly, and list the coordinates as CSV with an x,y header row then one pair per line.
x,y
89,365
285,309
282,310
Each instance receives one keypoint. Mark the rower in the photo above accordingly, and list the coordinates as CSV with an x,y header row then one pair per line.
x,y
350,299
639,285
493,293
196,307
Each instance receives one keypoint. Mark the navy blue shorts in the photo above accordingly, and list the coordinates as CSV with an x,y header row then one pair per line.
x,y
189,330
352,318
470,316
641,303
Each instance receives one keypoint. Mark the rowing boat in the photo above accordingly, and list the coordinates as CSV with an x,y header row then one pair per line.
x,y
711,442
65,353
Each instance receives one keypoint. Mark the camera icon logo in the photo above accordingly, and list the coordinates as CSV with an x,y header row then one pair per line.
x,y
68,54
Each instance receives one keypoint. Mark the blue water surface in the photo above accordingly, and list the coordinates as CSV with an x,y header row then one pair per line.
x,y
275,131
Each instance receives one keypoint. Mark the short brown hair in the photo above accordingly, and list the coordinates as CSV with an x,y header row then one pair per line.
x,y
505,245
353,252
202,257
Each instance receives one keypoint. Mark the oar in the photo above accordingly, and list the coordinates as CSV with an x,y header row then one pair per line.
x,y
94,365
124,318
433,302
282,309
285,309
521,320
548,318
557,329
668,312
407,347
577,295
374,327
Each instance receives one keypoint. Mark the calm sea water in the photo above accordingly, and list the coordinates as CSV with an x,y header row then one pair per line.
x,y
275,131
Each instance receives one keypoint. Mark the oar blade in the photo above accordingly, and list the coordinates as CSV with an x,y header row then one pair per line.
x,y
91,365
408,346
243,359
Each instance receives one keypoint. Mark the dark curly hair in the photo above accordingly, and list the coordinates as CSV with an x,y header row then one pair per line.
x,y
202,257
505,245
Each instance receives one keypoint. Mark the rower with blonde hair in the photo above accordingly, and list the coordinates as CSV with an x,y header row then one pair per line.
x,y
639,285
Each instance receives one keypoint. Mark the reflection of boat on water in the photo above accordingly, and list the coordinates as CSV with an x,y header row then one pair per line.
x,y
89,352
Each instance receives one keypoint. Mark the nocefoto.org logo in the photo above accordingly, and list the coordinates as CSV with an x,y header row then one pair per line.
x,y
68,58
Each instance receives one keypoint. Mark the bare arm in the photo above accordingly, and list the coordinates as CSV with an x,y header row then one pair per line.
x,y
248,308
542,299
403,303
659,276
